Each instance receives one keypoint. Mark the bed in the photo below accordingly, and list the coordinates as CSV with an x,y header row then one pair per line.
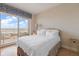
x,y
39,45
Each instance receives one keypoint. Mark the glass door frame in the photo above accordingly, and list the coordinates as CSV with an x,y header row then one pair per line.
x,y
1,29
18,31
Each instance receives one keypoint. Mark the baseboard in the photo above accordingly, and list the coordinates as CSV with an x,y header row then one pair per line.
x,y
70,48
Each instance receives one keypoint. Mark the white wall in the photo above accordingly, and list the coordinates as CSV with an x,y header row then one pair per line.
x,y
64,17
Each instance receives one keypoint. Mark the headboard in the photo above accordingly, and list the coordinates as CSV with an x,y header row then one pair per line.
x,y
54,29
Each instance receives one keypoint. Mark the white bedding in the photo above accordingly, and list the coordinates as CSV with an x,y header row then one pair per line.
x,y
37,45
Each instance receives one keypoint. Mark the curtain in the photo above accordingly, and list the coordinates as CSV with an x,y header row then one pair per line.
x,y
14,11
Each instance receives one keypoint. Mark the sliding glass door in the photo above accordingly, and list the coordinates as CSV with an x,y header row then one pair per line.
x,y
9,26
12,28
23,27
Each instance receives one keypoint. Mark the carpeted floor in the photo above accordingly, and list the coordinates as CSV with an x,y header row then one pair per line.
x,y
67,52
12,51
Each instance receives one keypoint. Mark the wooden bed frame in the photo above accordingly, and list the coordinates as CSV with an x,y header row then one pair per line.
x,y
52,52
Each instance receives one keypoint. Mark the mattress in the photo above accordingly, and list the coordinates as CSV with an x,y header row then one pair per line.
x,y
37,45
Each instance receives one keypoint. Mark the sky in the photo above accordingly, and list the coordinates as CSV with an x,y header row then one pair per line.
x,y
8,21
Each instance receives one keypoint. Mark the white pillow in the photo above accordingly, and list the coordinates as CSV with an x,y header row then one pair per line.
x,y
52,33
41,32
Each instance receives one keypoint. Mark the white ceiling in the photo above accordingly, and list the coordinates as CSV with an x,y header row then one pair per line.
x,y
33,8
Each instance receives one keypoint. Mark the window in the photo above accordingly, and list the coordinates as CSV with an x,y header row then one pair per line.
x,y
23,26
12,26
8,28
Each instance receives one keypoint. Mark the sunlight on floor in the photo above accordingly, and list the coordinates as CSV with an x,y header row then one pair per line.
x,y
9,51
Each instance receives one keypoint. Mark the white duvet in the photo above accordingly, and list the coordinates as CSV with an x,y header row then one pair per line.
x,y
37,45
